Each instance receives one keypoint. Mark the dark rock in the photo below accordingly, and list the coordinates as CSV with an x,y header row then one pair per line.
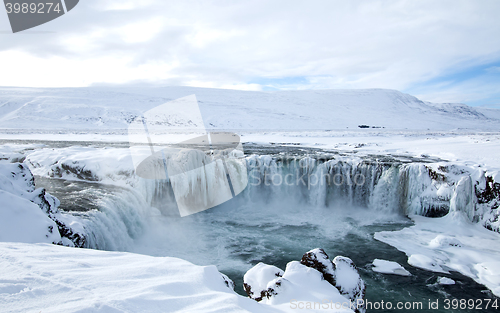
x,y
353,288
318,259
229,283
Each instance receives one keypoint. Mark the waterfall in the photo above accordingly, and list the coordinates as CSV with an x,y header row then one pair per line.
x,y
380,185
385,185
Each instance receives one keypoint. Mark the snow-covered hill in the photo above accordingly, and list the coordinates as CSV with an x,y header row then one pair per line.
x,y
112,108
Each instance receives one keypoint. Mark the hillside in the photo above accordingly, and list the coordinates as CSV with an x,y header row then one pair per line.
x,y
112,108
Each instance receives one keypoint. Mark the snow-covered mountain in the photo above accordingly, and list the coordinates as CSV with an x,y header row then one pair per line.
x,y
112,108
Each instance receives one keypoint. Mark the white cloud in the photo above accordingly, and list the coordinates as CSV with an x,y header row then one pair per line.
x,y
27,70
335,44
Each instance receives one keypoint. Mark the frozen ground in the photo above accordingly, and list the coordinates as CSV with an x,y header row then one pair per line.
x,y
48,278
328,119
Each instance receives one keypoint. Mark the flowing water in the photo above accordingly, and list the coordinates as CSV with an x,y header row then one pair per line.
x,y
273,223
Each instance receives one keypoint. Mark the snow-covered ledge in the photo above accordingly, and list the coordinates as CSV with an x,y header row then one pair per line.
x,y
31,215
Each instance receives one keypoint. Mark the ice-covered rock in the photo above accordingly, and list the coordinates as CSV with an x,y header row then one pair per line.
x,y
312,280
488,201
445,281
32,215
389,267
341,273
255,281
318,259
348,281
229,283
16,179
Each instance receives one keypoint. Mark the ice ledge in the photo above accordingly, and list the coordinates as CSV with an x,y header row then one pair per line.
x,y
450,243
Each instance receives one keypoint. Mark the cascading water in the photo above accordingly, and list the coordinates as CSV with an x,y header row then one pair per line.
x,y
290,205
389,186
386,186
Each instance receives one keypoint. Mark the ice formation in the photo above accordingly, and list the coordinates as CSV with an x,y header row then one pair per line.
x,y
389,267
445,281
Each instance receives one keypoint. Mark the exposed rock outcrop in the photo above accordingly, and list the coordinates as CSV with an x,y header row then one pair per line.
x,y
340,273
488,201
315,276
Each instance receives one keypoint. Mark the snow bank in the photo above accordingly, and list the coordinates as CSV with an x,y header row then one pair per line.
x,y
450,243
31,215
389,267
22,221
48,278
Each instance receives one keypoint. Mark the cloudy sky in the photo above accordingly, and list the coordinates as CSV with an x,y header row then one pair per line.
x,y
443,51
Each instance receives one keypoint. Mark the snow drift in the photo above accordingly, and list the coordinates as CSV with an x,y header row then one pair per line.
x,y
31,215
80,280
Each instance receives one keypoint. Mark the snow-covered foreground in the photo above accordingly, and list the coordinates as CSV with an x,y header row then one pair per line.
x,y
48,278
450,243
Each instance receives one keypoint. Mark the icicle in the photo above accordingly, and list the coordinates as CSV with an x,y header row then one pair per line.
x,y
464,199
